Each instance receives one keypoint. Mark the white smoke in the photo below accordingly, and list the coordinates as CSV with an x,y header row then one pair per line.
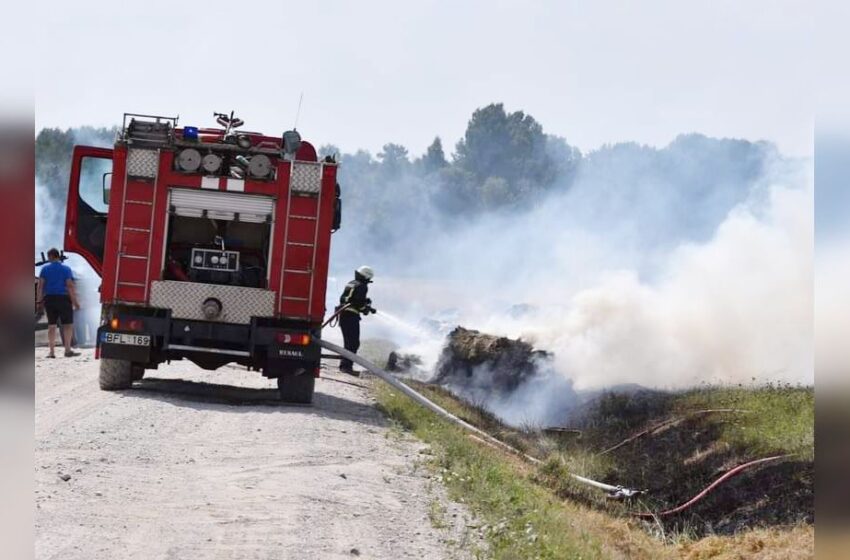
x,y
49,228
735,309
50,210
49,220
618,303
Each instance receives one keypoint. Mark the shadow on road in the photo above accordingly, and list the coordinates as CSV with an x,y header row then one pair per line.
x,y
344,382
228,398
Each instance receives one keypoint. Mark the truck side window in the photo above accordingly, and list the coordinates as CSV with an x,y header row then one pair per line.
x,y
92,171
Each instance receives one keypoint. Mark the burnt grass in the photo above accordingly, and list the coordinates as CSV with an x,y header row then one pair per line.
x,y
691,449
682,451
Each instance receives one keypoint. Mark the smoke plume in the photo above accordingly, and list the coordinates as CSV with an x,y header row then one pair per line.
x,y
666,268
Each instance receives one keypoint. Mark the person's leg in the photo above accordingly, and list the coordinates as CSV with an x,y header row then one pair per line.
x,y
350,324
355,342
68,331
67,317
355,334
52,313
51,339
345,323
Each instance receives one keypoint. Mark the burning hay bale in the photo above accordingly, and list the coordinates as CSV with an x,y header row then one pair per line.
x,y
510,362
468,354
507,377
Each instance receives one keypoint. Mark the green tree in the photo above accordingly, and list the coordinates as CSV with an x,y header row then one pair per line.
x,y
393,159
434,158
53,149
511,146
507,158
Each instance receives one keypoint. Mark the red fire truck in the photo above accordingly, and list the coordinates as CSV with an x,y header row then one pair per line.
x,y
212,245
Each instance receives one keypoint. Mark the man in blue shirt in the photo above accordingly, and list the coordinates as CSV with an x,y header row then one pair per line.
x,y
57,294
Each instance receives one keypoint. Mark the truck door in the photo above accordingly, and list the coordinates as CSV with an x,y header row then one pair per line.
x,y
85,215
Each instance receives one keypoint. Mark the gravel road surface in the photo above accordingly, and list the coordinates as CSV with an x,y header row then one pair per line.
x,y
191,464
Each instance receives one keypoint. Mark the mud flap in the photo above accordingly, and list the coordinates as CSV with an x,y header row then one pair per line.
x,y
288,359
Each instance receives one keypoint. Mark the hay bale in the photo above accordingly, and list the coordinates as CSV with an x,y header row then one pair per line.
x,y
507,362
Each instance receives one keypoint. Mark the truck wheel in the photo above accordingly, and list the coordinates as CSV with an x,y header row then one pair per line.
x,y
115,374
296,388
137,372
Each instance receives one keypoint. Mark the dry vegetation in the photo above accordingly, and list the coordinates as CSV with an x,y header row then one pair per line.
x,y
531,512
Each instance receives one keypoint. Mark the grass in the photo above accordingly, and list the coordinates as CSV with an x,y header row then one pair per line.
x,y
520,518
530,512
780,418
437,514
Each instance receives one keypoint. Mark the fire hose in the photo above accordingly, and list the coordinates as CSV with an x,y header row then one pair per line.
x,y
727,475
335,317
618,492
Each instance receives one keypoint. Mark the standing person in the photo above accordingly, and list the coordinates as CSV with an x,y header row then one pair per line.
x,y
357,304
57,295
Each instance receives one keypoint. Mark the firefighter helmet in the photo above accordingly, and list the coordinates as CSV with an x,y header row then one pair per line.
x,y
366,272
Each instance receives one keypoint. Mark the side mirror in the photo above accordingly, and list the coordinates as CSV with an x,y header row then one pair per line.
x,y
107,186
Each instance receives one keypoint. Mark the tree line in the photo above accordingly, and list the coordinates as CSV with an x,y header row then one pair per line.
x,y
504,163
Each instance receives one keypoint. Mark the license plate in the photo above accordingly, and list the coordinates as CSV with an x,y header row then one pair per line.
x,y
124,338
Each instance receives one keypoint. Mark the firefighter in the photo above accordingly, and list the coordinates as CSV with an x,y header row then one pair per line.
x,y
355,304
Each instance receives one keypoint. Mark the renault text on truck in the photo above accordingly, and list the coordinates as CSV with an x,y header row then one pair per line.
x,y
212,246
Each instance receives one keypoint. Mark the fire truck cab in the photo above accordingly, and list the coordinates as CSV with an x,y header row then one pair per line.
x,y
212,245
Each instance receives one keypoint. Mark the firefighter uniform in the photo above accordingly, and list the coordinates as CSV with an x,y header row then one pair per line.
x,y
354,296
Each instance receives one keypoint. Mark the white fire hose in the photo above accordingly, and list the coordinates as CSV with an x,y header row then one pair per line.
x,y
617,492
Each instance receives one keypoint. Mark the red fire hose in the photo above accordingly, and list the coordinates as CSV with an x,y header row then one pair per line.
x,y
729,474
335,316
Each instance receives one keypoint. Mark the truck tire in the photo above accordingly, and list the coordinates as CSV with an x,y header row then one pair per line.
x,y
296,388
115,374
137,372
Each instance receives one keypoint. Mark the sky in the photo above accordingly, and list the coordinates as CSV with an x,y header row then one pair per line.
x,y
373,72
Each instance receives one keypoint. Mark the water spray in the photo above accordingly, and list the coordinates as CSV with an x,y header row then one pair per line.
x,y
394,320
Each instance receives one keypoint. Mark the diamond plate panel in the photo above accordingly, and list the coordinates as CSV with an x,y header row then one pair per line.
x,y
306,177
238,303
142,163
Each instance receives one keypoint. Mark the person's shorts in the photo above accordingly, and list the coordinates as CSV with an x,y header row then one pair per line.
x,y
59,307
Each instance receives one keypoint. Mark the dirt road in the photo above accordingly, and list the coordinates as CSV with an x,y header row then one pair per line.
x,y
209,465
